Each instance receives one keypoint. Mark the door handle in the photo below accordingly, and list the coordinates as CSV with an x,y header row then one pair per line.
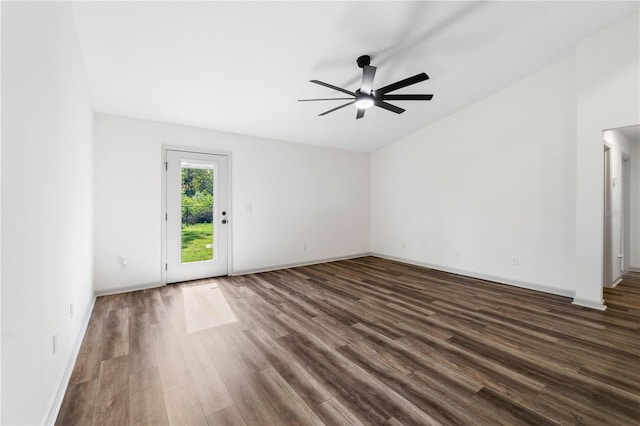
x,y
224,221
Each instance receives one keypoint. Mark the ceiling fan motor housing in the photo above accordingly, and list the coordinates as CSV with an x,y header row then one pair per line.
x,y
364,60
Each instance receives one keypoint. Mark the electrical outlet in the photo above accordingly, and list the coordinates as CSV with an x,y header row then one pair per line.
x,y
71,310
456,252
55,343
305,246
404,245
515,261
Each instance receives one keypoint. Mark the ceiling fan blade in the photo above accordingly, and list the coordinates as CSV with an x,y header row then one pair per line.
x,y
360,113
387,106
368,73
406,97
331,86
402,83
336,108
325,99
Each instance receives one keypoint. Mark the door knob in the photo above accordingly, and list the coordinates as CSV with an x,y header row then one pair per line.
x,y
224,221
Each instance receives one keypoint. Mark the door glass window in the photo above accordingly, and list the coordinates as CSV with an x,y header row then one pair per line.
x,y
197,212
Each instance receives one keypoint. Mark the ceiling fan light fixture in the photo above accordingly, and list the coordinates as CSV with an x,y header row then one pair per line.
x,y
365,97
364,102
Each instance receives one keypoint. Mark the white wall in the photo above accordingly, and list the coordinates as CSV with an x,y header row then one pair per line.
x,y
608,96
513,175
298,193
46,205
619,145
487,183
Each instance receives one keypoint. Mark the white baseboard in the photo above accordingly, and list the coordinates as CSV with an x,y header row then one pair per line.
x,y
52,414
593,304
296,265
634,269
128,289
616,282
472,274
148,286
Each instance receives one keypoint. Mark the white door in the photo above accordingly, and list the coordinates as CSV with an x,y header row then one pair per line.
x,y
197,216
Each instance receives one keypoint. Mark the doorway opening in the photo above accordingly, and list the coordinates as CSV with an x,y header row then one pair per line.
x,y
606,270
625,231
621,245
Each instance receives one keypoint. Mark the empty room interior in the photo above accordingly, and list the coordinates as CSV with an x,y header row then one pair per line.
x,y
291,213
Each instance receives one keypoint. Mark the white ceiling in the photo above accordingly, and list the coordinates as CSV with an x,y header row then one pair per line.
x,y
241,66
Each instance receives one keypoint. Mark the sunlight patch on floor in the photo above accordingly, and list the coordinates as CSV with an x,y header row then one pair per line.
x,y
205,307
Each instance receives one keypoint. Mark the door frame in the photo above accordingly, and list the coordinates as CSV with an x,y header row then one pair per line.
x,y
607,267
163,202
625,226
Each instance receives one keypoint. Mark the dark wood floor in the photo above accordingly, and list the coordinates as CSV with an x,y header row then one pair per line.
x,y
364,341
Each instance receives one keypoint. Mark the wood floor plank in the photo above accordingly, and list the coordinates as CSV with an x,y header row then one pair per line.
x,y
154,306
142,359
338,377
101,308
285,400
416,392
332,412
216,344
137,304
229,416
144,380
174,371
307,387
112,405
78,403
252,358
116,334
207,381
402,409
87,365
140,334
360,341
148,407
312,327
183,406
249,395
163,336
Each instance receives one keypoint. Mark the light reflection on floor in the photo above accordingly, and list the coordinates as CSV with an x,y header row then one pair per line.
x,y
205,307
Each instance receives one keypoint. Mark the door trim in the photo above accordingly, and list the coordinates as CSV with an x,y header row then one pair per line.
x,y
607,229
625,226
163,207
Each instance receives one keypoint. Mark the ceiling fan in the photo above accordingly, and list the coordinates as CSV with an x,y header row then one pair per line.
x,y
365,97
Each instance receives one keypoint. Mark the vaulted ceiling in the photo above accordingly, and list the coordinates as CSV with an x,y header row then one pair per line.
x,y
241,66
